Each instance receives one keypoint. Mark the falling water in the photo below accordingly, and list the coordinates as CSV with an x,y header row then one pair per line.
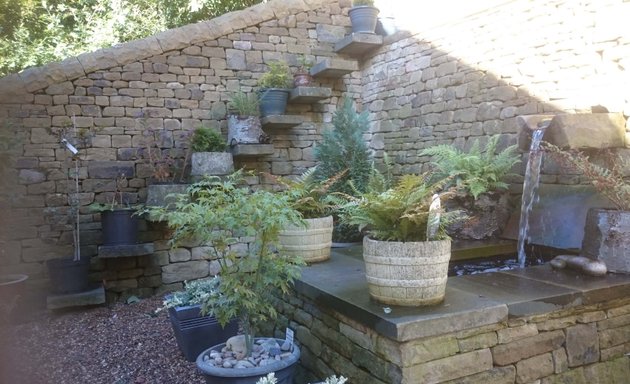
x,y
530,187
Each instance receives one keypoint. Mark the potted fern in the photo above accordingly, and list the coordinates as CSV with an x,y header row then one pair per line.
x,y
209,156
363,16
479,176
244,125
406,249
274,89
220,212
310,198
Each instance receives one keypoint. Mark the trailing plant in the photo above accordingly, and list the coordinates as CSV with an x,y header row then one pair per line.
x,y
166,163
304,64
195,292
219,212
271,379
309,196
207,140
118,199
402,213
358,3
244,104
609,181
278,76
477,171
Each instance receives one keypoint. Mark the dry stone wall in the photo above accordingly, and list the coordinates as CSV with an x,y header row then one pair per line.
x,y
585,344
472,77
168,84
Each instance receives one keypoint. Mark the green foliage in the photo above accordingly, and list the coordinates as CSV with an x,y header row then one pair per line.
x,y
309,196
245,104
400,213
271,379
608,181
278,76
207,140
218,212
36,32
304,64
195,292
357,3
344,148
475,172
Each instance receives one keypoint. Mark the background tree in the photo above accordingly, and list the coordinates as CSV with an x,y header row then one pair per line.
x,y
35,32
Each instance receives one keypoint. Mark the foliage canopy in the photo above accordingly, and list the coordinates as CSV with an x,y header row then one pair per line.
x,y
35,32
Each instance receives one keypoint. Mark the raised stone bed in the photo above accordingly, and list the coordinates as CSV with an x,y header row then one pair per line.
x,y
505,327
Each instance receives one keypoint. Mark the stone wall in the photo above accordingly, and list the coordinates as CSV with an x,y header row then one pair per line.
x,y
586,344
170,83
471,77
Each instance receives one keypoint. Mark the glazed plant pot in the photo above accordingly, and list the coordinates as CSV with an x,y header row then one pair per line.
x,y
68,276
283,369
406,273
119,227
302,79
363,18
195,333
273,101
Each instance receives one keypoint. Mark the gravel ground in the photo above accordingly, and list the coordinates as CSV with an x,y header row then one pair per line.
x,y
116,344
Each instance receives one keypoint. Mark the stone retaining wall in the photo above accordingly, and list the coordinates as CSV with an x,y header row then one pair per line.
x,y
172,83
585,344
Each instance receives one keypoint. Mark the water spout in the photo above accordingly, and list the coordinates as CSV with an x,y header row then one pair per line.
x,y
530,188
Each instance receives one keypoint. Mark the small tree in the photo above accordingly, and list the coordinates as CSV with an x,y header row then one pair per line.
x,y
219,212
344,148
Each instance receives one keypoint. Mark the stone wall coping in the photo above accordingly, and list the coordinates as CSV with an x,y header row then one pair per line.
x,y
470,302
18,87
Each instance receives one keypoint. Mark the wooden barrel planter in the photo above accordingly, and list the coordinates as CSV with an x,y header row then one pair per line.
x,y
406,273
312,243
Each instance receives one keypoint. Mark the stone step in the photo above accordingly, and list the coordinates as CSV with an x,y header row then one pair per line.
x,y
126,250
281,121
93,296
334,68
252,150
358,44
309,95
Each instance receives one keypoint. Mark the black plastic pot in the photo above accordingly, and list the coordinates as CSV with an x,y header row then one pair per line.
x,y
273,101
68,276
283,369
195,333
119,227
363,19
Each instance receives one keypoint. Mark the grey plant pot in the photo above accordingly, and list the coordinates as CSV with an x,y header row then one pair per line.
x,y
195,333
363,18
244,130
283,369
211,163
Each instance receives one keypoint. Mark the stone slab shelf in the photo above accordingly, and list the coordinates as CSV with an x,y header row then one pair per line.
x,y
358,44
252,150
94,296
309,95
334,68
281,121
115,251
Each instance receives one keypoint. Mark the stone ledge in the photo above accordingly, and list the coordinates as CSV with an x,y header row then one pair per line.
x,y
471,301
94,296
131,250
334,68
358,44
309,95
281,121
252,150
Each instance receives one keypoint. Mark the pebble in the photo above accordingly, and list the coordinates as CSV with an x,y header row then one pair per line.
x,y
265,352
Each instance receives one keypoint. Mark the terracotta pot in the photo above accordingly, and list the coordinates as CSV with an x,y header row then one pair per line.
x,y
302,79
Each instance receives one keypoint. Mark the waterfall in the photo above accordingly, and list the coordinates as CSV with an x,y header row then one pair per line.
x,y
530,188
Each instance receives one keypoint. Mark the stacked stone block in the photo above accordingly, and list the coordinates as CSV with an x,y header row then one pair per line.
x,y
585,344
